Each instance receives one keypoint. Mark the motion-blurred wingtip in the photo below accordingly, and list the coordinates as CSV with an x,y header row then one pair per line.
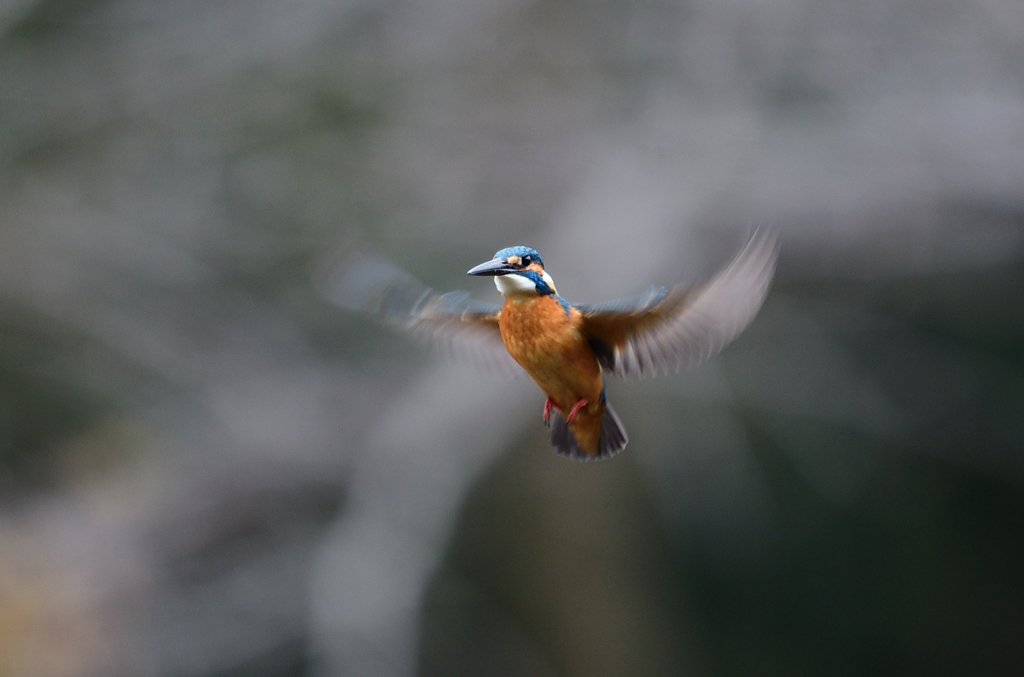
x,y
361,281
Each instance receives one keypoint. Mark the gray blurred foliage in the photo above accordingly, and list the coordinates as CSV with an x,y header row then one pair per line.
x,y
209,470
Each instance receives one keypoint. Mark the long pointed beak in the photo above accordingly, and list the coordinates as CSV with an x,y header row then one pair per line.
x,y
493,267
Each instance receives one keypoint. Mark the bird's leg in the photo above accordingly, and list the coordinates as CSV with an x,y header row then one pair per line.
x,y
575,410
547,411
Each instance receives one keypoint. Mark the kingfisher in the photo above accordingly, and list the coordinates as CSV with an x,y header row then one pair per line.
x,y
568,349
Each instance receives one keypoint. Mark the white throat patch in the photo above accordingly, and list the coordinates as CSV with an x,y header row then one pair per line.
x,y
517,284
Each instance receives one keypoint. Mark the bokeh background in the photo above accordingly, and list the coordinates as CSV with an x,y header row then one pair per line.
x,y
207,469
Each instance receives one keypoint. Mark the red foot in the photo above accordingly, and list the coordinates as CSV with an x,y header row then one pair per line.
x,y
575,410
547,411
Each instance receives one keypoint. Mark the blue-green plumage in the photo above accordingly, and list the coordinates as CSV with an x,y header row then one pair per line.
x,y
521,252
542,287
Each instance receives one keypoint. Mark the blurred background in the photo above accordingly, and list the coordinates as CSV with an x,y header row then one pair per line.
x,y
207,469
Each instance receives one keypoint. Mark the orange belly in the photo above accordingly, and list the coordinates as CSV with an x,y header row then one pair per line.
x,y
547,343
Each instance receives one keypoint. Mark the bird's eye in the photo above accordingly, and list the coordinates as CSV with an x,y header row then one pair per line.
x,y
527,260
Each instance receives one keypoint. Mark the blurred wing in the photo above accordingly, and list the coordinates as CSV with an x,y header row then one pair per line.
x,y
452,321
664,330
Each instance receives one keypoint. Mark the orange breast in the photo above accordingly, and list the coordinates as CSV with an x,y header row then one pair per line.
x,y
547,343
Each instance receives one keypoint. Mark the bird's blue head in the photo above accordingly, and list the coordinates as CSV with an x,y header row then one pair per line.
x,y
517,270
520,255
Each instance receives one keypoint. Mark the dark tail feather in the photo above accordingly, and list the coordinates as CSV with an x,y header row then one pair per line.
x,y
562,438
613,434
613,437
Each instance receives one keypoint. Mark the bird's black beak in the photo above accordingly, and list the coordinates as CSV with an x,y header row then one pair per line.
x,y
493,267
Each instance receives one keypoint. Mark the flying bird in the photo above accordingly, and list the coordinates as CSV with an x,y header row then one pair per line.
x,y
568,349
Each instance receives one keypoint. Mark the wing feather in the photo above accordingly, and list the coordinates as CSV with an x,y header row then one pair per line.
x,y
663,330
453,321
